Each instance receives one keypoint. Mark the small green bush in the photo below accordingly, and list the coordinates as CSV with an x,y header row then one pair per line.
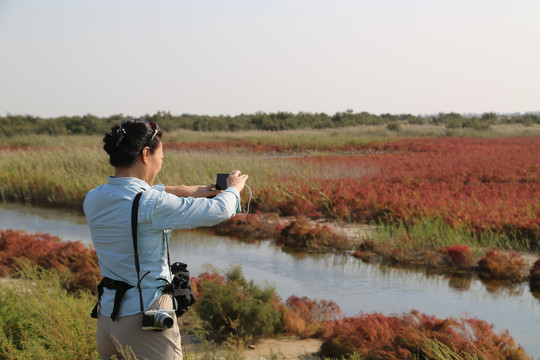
x,y
237,308
393,126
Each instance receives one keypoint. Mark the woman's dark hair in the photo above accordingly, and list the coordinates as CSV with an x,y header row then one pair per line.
x,y
126,141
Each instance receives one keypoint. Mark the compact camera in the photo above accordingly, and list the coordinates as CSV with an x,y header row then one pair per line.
x,y
221,181
158,319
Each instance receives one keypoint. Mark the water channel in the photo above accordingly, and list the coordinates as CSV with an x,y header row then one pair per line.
x,y
355,286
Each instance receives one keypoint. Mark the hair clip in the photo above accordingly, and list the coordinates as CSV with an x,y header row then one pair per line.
x,y
118,131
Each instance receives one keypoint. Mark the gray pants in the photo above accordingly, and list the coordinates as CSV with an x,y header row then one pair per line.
x,y
126,332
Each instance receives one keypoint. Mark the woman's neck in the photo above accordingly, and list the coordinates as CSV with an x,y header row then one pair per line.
x,y
132,171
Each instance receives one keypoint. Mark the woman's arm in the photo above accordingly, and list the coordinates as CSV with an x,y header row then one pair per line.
x,y
236,179
193,190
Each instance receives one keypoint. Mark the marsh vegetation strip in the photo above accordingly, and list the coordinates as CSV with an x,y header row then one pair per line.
x,y
353,285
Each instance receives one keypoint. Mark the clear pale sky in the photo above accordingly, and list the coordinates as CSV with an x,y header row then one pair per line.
x,y
131,57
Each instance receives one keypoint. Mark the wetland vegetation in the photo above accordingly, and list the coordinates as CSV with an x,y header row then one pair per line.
x,y
452,193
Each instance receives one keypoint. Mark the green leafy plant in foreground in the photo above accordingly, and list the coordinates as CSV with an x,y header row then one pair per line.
x,y
236,308
40,320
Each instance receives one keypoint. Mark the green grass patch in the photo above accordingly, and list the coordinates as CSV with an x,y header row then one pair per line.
x,y
434,233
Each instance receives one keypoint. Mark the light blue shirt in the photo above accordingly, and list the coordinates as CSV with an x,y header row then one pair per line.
x,y
108,211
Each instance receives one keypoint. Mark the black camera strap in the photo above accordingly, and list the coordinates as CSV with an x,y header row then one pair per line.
x,y
134,221
122,287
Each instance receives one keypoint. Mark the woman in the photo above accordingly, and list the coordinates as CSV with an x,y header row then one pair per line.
x,y
136,153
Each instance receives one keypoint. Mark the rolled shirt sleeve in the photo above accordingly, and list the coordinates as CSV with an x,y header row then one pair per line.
x,y
169,211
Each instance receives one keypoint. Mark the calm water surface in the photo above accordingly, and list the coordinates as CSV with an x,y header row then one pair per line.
x,y
354,286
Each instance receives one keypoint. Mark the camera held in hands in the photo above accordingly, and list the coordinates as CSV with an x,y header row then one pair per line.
x,y
158,320
221,181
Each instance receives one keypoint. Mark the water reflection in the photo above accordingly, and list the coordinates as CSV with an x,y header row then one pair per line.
x,y
458,282
353,285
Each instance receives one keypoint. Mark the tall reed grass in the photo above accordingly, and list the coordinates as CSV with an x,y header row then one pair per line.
x,y
201,168
61,177
47,141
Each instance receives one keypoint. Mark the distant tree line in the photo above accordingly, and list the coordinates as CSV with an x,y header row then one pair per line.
x,y
89,124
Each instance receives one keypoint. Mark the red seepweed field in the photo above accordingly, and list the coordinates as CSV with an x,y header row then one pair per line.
x,y
487,184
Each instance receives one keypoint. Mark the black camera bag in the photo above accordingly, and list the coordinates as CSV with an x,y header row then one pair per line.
x,y
180,288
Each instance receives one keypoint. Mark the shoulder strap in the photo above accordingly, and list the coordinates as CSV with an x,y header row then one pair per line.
x,y
134,221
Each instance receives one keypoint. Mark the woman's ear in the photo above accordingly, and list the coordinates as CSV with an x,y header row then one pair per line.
x,y
145,153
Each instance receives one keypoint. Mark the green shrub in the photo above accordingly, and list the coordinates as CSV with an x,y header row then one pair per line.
x,y
234,307
40,320
393,126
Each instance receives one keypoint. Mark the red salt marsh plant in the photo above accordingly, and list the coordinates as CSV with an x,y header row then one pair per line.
x,y
502,265
249,227
77,265
485,184
211,277
303,234
308,318
376,336
461,255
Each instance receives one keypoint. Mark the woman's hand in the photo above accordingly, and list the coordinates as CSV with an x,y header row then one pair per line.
x,y
237,179
193,190
206,191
